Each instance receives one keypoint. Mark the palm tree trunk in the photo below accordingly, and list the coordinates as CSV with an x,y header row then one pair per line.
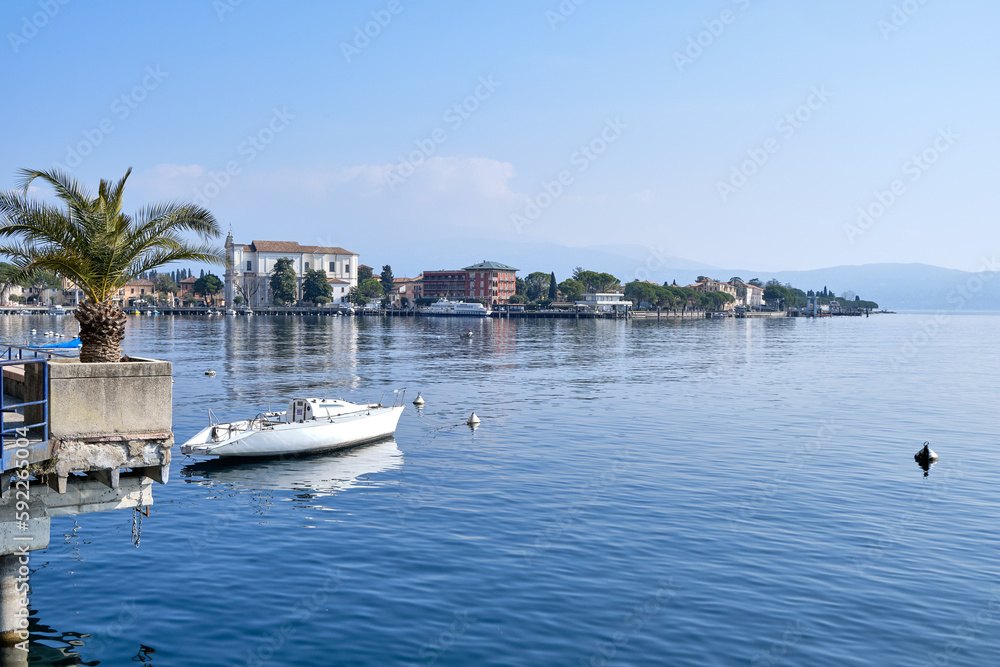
x,y
102,329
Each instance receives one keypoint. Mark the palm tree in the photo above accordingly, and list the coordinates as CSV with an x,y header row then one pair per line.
x,y
99,248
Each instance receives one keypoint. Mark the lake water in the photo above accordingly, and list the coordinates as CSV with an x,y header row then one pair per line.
x,y
738,492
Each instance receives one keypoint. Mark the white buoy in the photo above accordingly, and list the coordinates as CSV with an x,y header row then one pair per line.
x,y
419,400
473,419
209,372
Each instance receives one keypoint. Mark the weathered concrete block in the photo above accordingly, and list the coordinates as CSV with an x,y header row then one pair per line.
x,y
73,455
133,397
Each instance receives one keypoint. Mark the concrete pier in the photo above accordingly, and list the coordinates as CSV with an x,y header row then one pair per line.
x,y
109,428
105,417
13,603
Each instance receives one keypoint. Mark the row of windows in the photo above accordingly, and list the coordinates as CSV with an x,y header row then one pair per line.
x,y
332,269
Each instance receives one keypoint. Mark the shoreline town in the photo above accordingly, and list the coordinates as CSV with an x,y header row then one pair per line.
x,y
284,277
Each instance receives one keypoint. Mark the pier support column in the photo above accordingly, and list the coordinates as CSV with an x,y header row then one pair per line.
x,y
13,605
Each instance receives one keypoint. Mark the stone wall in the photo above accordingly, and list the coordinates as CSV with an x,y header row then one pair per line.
x,y
102,399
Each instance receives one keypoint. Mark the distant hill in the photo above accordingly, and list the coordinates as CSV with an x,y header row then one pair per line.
x,y
902,286
892,286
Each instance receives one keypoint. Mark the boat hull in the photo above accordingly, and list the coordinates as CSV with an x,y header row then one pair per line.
x,y
298,438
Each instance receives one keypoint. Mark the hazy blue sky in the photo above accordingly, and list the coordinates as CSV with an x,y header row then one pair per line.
x,y
822,105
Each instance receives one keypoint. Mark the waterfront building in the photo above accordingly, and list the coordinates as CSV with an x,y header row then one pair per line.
x,y
754,297
132,293
251,266
605,302
409,289
186,286
445,284
491,282
709,285
9,291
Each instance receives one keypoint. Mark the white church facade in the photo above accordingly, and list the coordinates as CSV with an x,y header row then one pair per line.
x,y
250,268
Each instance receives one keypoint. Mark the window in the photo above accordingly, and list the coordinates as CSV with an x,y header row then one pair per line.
x,y
333,267
248,265
307,266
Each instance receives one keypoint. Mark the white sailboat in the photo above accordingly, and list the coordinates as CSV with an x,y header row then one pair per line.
x,y
309,425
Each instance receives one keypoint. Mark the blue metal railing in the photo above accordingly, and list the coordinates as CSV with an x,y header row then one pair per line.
x,y
16,355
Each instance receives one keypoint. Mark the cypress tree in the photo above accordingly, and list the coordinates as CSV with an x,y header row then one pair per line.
x,y
552,286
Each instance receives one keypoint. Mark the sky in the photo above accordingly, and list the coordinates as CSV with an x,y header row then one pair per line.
x,y
776,135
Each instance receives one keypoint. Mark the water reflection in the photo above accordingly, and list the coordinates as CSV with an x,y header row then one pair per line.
x,y
83,495
299,355
66,649
926,465
313,476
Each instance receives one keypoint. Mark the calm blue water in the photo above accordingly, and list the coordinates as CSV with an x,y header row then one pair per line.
x,y
696,493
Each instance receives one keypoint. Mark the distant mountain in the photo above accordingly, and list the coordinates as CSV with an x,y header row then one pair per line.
x,y
892,286
902,286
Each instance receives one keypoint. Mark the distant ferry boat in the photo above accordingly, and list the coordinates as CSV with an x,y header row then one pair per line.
x,y
445,308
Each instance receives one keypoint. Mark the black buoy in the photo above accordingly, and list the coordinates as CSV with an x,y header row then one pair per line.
x,y
925,454
925,458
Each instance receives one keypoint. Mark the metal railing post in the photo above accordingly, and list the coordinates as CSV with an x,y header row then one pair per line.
x,y
45,406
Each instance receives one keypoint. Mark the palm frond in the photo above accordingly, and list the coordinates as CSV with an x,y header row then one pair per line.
x,y
66,188
93,243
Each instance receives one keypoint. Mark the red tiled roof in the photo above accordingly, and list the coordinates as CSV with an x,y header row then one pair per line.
x,y
139,282
337,281
293,246
190,280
